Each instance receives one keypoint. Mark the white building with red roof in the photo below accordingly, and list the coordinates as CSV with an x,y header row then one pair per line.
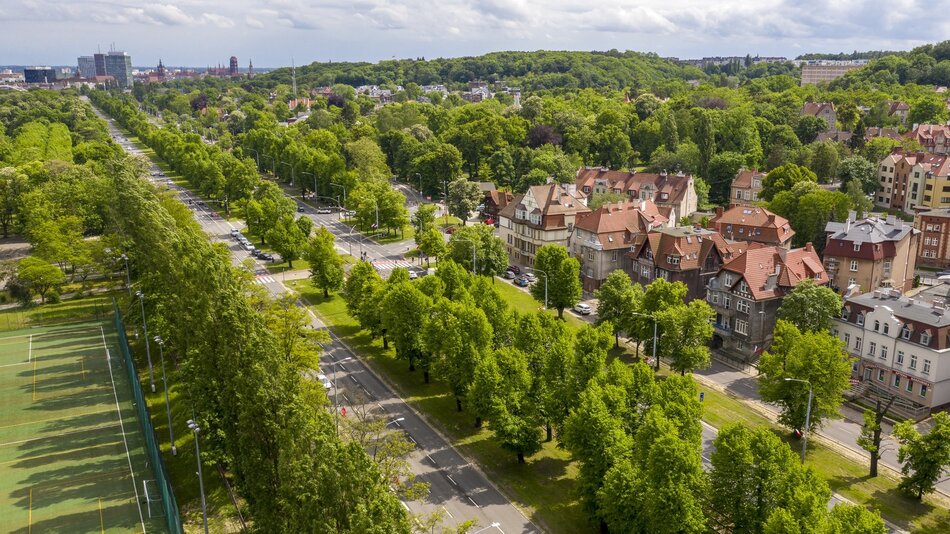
x,y
673,194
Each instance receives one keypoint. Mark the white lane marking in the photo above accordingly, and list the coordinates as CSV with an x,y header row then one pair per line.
x,y
452,480
431,460
471,500
447,512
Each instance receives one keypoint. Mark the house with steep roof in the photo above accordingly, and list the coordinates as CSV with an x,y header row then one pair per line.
x,y
683,254
896,108
603,236
902,349
748,223
748,290
543,215
746,187
871,253
935,138
822,110
673,194
494,201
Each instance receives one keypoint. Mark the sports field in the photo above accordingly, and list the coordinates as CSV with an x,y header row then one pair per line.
x,y
71,449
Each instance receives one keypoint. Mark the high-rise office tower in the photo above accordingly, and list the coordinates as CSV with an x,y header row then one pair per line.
x,y
87,67
119,66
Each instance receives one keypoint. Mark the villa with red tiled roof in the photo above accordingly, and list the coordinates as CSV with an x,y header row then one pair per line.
x,y
935,138
747,223
602,236
822,110
543,215
683,254
748,291
673,194
746,187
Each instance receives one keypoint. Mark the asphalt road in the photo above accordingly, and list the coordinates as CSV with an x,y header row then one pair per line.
x,y
458,487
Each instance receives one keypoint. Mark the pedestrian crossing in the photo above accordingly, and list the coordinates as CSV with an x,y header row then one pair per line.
x,y
388,265
263,279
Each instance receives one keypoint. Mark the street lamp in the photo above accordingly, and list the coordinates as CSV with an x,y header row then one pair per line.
x,y
807,414
168,406
473,252
293,173
395,421
128,277
343,187
201,483
148,351
656,361
273,164
257,156
314,182
420,184
545,285
496,524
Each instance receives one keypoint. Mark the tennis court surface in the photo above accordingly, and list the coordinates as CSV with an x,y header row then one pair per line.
x,y
72,455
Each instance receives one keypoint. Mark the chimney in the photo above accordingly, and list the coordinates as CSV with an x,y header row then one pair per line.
x,y
718,211
852,215
771,218
809,247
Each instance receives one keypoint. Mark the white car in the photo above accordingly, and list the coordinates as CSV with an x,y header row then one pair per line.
x,y
324,211
325,381
413,274
581,308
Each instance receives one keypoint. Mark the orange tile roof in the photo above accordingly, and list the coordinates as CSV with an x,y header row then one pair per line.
x,y
744,178
772,271
617,224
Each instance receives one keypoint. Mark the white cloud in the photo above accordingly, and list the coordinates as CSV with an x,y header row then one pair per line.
x,y
217,20
253,22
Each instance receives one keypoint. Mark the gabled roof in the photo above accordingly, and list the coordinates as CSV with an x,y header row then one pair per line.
x,y
774,228
616,225
743,179
869,230
814,108
554,203
691,245
772,271
674,186
929,134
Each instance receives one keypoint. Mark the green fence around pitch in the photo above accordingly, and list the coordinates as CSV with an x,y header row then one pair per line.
x,y
154,454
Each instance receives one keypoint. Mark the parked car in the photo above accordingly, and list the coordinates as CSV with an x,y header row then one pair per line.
x,y
235,232
581,308
489,221
508,275
529,276
267,256
515,269
325,381
251,249
522,282
324,211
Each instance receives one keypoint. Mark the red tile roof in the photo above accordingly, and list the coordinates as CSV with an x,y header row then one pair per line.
x,y
743,179
617,224
674,186
770,272
690,245
753,224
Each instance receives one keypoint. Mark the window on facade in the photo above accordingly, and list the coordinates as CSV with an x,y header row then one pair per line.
x,y
861,319
851,282
726,301
738,194
905,332
910,385
877,325
645,271
613,256
923,390
844,313
900,357
742,305
847,339
872,346
926,367
883,352
925,338
755,195
509,239
880,375
936,229
857,344
742,326
714,297
743,287
854,265
897,380
857,247
673,260
590,254
913,361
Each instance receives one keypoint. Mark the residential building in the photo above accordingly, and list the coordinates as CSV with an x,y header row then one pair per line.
x,y
495,201
871,253
934,247
754,224
673,194
119,66
898,109
746,187
603,236
874,131
913,180
820,71
87,67
822,110
935,138
748,290
683,254
899,345
544,215
39,75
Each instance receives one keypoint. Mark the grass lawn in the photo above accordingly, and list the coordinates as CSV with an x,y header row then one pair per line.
x,y
525,303
544,487
74,309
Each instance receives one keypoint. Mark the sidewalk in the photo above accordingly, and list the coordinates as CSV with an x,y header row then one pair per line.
x,y
840,434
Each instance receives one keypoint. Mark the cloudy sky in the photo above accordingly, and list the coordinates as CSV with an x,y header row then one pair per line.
x,y
207,32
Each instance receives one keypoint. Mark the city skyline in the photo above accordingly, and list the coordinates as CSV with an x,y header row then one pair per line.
x,y
277,30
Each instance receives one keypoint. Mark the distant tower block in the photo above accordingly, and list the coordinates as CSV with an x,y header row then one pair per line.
x,y
250,68
233,67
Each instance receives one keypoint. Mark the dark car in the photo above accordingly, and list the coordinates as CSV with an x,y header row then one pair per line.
x,y
522,282
301,209
515,269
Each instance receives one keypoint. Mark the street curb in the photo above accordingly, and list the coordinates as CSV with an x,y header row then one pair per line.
x,y
435,428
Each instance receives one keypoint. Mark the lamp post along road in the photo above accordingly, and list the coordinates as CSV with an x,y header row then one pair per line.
x,y
656,361
168,406
473,251
201,483
148,351
128,277
807,415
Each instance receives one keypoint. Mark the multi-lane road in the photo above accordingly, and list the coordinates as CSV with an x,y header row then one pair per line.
x,y
457,487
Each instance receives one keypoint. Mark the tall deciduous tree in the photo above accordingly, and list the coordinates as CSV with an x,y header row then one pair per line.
x,y
464,197
817,357
871,432
39,276
687,331
563,274
288,238
783,178
404,313
924,457
616,298
810,307
326,265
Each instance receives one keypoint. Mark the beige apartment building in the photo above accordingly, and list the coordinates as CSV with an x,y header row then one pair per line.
x,y
544,215
820,71
910,181
746,187
871,253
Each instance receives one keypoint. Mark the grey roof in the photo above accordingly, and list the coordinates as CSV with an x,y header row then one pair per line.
x,y
904,307
941,212
870,230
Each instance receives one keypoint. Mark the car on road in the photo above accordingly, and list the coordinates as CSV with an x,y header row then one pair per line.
x,y
301,209
252,250
413,274
325,381
450,230
235,232
515,269
349,214
324,211
581,308
522,282
266,256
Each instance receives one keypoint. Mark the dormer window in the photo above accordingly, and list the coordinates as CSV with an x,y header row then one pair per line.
x,y
905,332
727,280
520,214
886,328
925,338
861,319
844,313
857,247
673,259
